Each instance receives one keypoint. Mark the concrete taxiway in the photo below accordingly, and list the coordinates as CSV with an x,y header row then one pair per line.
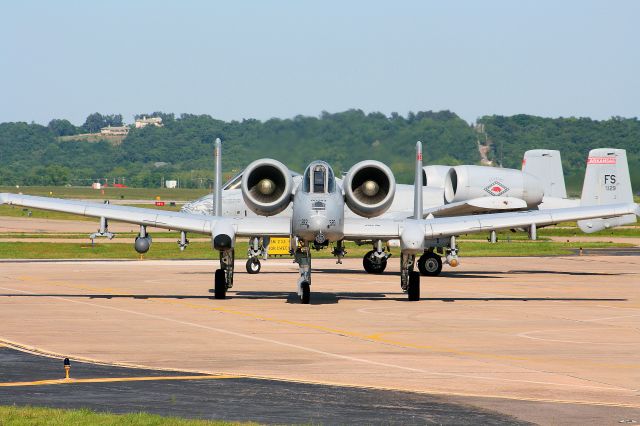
x,y
547,340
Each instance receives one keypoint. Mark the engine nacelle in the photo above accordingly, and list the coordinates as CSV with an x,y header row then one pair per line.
x,y
435,176
369,188
467,182
266,187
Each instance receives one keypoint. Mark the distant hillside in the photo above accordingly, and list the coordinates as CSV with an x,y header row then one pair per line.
x,y
31,154
510,137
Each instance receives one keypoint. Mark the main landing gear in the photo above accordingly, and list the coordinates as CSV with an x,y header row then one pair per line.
x,y
430,264
224,276
409,279
375,261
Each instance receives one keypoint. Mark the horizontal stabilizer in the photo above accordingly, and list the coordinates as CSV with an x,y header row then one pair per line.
x,y
595,225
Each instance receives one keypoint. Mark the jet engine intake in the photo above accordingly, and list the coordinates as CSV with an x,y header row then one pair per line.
x,y
467,182
369,188
266,187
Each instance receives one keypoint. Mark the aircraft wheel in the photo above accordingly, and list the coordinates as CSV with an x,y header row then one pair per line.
x,y
370,266
220,288
305,298
414,286
253,265
430,264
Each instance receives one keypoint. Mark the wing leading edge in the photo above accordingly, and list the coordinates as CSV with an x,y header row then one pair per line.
x,y
150,217
363,229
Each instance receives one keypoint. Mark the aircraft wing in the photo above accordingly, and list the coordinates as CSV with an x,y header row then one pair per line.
x,y
151,217
476,205
385,229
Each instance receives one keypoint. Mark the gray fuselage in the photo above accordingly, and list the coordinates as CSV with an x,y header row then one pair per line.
x,y
318,206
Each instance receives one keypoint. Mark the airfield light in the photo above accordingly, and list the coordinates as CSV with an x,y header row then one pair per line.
x,y
67,368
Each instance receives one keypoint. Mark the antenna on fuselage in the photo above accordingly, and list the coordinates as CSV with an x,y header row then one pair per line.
x,y
217,192
417,184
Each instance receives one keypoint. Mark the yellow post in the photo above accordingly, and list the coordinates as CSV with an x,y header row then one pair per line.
x,y
67,368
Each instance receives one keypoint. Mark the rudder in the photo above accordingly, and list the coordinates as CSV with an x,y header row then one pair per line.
x,y
546,165
606,181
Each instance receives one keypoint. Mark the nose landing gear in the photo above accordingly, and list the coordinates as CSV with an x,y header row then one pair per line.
x,y
409,279
303,259
375,261
224,276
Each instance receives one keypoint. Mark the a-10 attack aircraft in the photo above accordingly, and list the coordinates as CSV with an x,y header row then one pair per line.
x,y
447,191
318,214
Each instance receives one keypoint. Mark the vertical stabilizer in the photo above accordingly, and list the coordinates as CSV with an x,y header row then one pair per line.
x,y
606,181
546,165
217,193
417,184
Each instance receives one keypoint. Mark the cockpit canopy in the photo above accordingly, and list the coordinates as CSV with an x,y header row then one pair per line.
x,y
319,178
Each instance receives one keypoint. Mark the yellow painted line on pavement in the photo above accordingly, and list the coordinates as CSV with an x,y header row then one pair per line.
x,y
205,376
114,380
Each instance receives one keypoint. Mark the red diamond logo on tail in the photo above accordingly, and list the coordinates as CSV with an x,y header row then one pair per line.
x,y
496,188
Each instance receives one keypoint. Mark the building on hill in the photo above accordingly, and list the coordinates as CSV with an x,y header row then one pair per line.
x,y
115,131
144,122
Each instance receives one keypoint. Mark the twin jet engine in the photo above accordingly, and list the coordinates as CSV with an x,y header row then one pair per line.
x,y
267,187
369,188
462,183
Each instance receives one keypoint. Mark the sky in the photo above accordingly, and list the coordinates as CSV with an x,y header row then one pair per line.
x,y
262,59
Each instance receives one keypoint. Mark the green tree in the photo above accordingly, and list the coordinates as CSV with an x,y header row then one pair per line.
x,y
94,123
62,127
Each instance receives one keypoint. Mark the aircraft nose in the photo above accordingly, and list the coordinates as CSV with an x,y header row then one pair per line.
x,y
318,223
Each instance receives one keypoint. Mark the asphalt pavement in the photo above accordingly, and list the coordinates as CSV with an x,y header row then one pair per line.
x,y
29,379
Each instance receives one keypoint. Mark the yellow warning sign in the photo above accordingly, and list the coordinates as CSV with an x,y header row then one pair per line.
x,y
279,246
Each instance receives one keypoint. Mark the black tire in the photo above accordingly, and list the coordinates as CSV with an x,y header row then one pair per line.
x,y
220,285
306,293
370,266
253,265
414,286
430,264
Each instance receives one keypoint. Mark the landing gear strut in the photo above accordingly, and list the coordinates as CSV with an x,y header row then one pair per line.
x,y
409,279
224,275
375,261
303,259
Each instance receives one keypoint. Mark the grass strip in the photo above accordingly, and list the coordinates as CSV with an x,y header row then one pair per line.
x,y
202,250
27,416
